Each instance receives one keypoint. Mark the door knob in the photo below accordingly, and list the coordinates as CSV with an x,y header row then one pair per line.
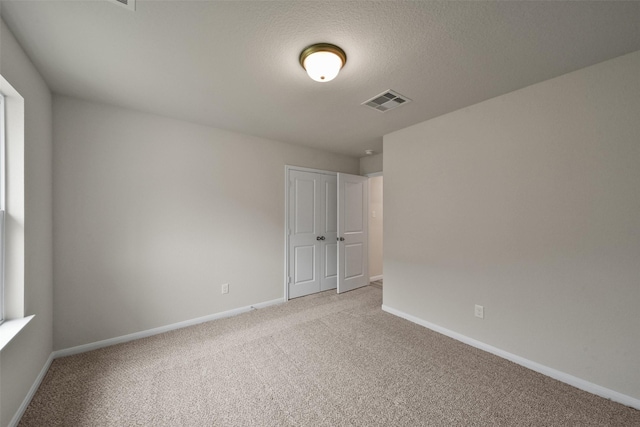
x,y
341,239
320,238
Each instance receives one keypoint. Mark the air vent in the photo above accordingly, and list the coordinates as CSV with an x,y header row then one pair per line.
x,y
387,100
129,4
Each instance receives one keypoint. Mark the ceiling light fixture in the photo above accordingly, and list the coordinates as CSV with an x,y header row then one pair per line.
x,y
323,61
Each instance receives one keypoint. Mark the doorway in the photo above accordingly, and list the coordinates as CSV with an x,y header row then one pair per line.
x,y
326,231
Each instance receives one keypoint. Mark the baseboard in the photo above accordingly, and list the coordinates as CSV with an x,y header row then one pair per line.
x,y
160,330
375,278
268,303
534,366
32,391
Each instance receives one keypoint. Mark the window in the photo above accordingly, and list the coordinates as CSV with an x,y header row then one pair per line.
x,y
12,310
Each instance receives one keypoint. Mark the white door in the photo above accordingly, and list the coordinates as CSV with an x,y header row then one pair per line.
x,y
329,245
312,233
353,255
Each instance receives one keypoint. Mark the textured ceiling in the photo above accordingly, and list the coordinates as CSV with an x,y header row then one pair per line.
x,y
234,65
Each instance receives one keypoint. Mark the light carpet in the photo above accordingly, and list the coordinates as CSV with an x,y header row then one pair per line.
x,y
321,360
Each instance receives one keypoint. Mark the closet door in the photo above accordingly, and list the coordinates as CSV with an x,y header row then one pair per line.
x,y
329,246
304,233
312,232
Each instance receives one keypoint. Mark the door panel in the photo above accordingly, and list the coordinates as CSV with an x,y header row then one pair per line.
x,y
353,217
331,203
305,205
330,266
353,255
304,261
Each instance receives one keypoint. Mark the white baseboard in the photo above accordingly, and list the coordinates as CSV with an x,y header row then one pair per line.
x,y
268,303
32,391
160,330
534,366
375,278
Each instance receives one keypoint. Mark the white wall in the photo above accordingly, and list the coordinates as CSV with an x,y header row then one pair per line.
x,y
528,204
375,226
22,360
152,215
371,164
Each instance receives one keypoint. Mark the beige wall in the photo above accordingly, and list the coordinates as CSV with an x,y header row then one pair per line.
x,y
371,164
153,215
23,359
529,205
375,226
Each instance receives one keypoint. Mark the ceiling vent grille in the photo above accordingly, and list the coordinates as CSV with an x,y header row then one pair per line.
x,y
129,4
387,100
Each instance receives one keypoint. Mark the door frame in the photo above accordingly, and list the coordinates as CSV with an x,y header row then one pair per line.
x,y
287,169
374,175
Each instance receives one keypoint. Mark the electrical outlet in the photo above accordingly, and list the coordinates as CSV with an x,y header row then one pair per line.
x,y
225,288
479,311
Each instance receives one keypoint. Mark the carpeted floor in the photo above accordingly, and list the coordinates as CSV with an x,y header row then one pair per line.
x,y
321,360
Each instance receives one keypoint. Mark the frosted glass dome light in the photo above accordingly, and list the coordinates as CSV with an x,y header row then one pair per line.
x,y
323,61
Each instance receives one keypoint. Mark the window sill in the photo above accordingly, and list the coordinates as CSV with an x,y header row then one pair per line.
x,y
10,328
